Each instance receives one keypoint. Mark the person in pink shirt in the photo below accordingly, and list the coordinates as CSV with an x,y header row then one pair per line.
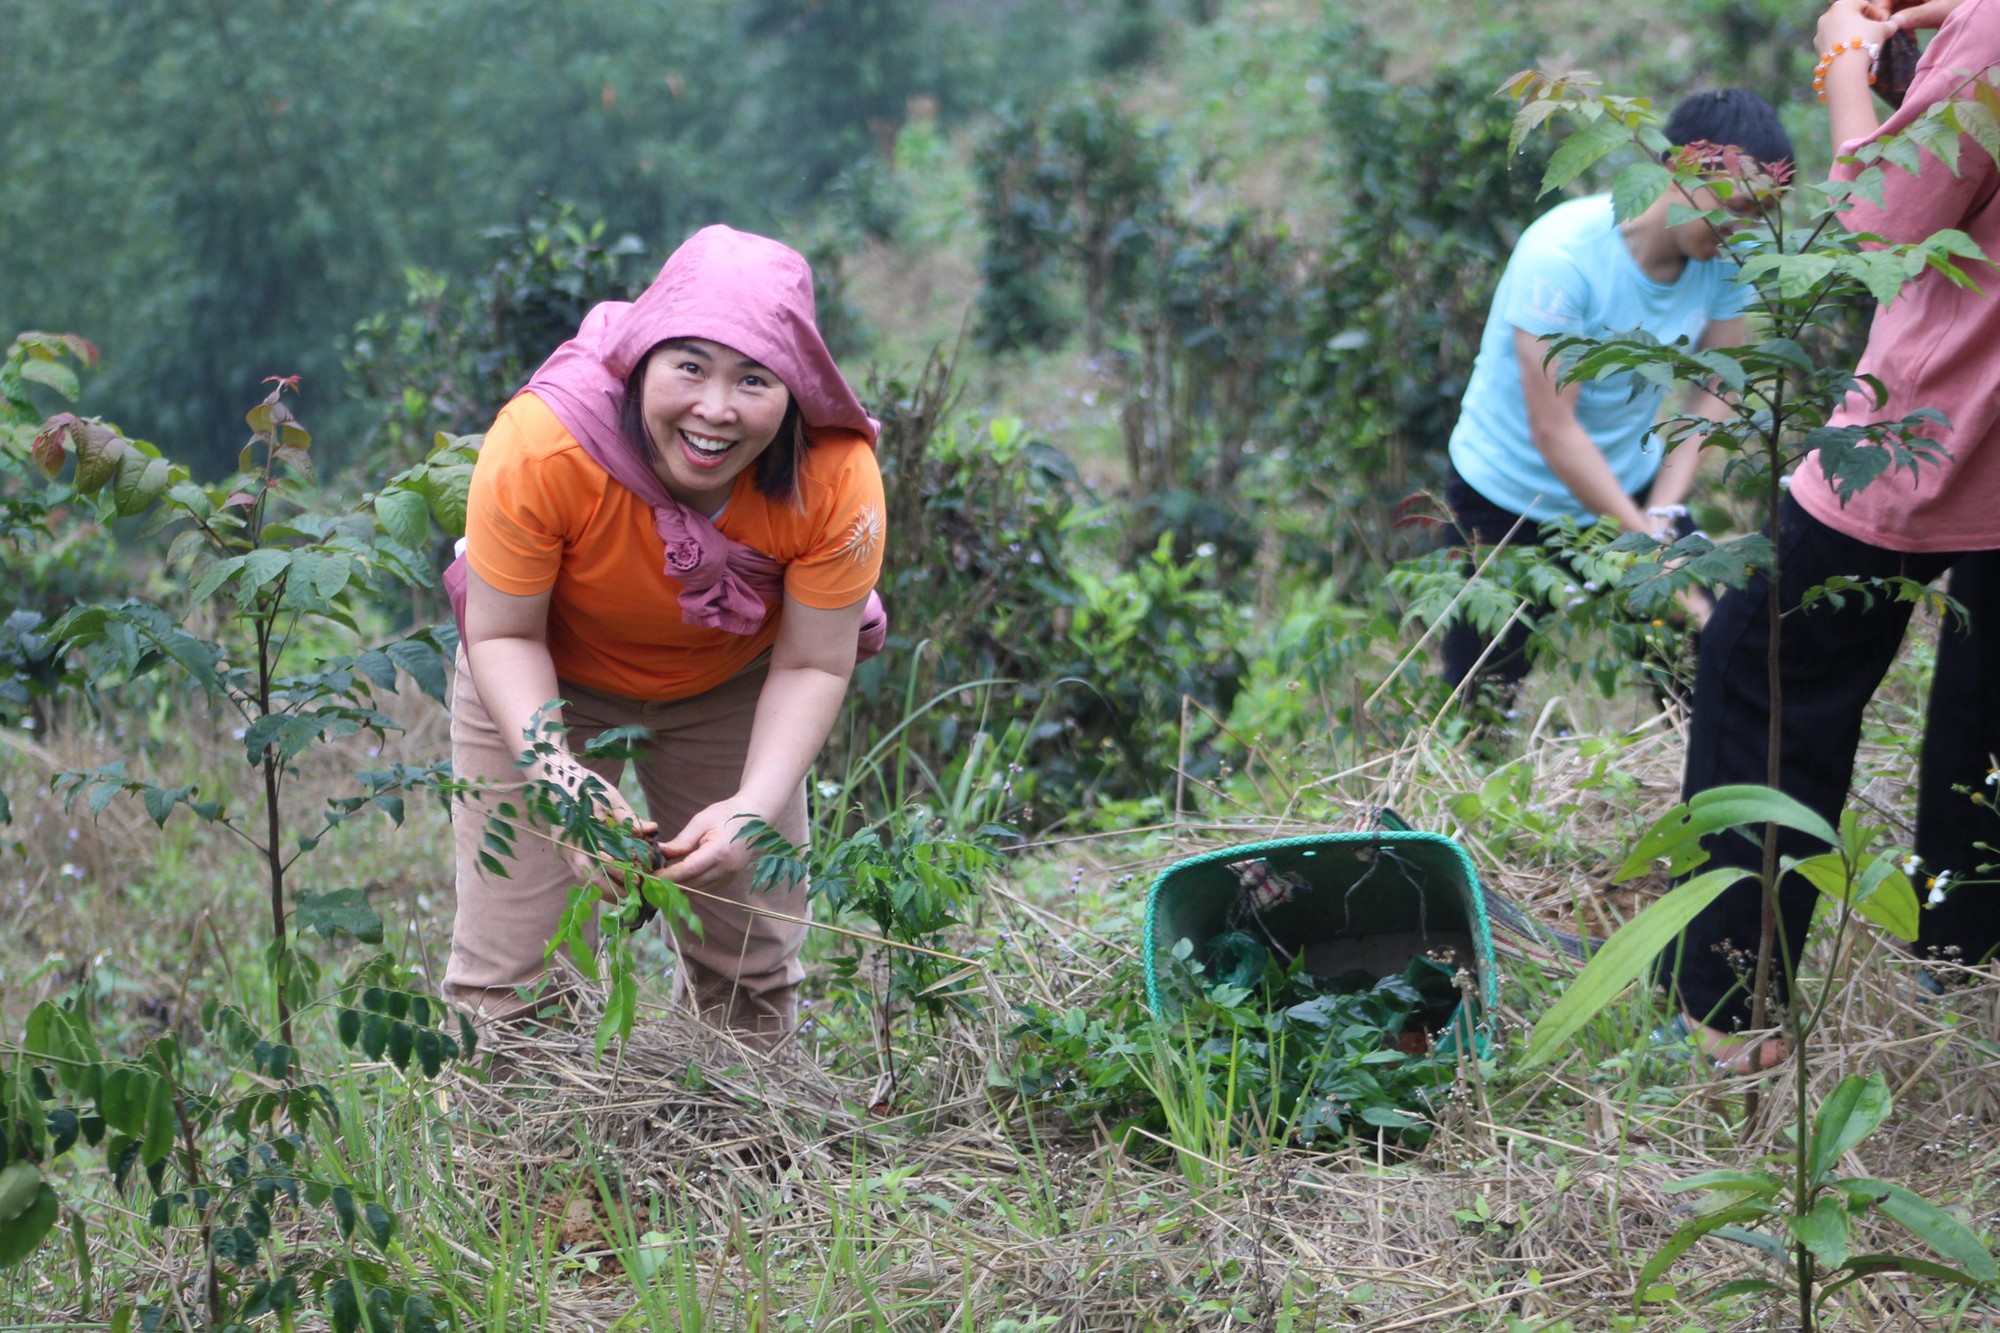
x,y
1936,345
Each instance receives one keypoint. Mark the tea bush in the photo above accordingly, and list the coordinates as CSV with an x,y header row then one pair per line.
x,y
1004,583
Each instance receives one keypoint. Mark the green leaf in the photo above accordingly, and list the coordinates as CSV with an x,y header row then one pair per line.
x,y
1881,893
1728,1182
1636,186
402,1040
344,1213
1882,272
339,912
1686,1239
331,577
430,1051
376,666
20,1234
1622,960
446,486
1582,150
621,1002
404,516
424,663
54,374
98,449
380,1222
1975,119
1527,118
1934,1227
1388,1117
1933,132
123,1100
1823,1230
218,574
1676,838
419,1316
1798,275
160,1121
1868,1265
1768,1245
261,567
160,801
1861,1195
343,1311
1850,1114
140,481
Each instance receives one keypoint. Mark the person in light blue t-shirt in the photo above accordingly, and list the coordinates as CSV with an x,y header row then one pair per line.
x,y
1527,450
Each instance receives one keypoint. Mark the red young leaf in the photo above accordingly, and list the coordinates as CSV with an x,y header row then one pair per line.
x,y
83,349
51,446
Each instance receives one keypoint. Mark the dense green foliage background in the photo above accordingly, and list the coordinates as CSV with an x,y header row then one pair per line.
x,y
1202,282
220,190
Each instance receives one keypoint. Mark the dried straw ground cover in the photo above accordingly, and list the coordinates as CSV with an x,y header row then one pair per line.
x,y
679,1183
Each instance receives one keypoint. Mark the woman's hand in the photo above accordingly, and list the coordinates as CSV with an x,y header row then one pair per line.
x,y
1847,20
706,855
608,804
1931,14
1853,19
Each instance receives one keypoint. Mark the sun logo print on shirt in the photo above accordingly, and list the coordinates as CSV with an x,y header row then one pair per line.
x,y
864,535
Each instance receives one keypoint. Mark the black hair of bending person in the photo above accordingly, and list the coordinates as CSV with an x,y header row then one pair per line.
x,y
1733,117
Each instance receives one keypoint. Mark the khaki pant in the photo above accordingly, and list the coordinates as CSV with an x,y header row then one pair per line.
x,y
741,973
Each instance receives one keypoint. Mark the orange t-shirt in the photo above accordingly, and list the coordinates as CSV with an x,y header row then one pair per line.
x,y
543,516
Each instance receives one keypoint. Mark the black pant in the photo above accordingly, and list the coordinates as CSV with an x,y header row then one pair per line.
x,y
1478,520
1833,658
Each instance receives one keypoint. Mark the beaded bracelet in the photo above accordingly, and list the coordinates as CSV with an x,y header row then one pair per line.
x,y
1874,50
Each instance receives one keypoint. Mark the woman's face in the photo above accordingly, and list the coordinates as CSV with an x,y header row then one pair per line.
x,y
711,411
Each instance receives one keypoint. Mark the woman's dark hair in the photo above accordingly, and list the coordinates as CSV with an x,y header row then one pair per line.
x,y
1732,117
777,468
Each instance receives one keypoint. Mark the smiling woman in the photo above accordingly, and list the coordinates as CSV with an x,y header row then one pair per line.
x,y
676,526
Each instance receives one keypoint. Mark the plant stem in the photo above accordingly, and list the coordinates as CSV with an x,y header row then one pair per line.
x,y
191,1166
273,833
1767,928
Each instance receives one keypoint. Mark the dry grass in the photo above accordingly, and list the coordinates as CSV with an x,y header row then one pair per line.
x,y
1538,1198
770,1190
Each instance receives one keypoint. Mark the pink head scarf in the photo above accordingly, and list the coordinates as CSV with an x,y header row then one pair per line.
x,y
748,293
